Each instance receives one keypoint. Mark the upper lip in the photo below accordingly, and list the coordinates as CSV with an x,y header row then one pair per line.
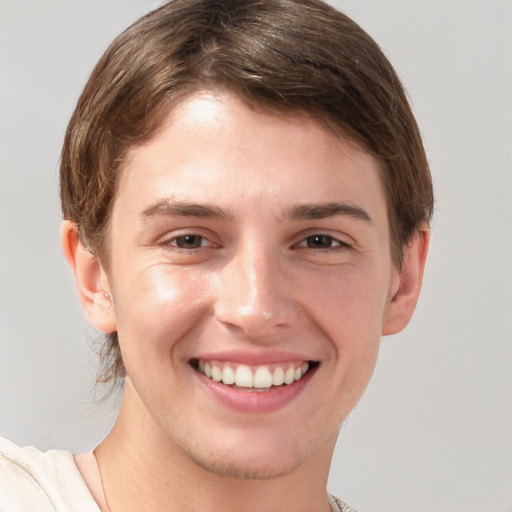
x,y
252,358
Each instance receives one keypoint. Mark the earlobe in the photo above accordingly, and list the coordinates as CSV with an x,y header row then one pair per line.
x,y
401,306
90,278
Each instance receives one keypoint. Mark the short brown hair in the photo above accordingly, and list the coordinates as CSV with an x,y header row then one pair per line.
x,y
282,55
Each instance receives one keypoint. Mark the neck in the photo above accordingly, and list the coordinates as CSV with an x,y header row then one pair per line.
x,y
142,469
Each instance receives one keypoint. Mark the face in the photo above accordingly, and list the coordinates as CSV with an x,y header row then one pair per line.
x,y
251,276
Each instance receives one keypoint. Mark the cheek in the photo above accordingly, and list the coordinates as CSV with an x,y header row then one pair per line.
x,y
350,313
158,308
351,304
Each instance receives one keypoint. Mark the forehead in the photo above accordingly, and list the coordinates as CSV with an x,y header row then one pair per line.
x,y
215,147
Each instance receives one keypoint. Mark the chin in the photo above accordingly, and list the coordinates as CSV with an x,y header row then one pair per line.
x,y
253,469
253,457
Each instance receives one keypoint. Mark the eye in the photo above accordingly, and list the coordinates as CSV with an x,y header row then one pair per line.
x,y
189,241
319,241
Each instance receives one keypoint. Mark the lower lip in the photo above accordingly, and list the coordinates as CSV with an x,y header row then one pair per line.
x,y
255,401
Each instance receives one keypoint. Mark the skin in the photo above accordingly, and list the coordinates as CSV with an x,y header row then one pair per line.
x,y
261,274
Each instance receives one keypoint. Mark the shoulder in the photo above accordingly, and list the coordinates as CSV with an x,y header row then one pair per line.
x,y
342,506
42,481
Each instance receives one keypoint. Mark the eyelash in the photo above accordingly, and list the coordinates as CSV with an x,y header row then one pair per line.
x,y
174,241
332,242
338,244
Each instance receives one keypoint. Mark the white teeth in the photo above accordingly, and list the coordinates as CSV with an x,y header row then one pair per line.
x,y
228,375
262,377
278,377
243,377
216,374
289,376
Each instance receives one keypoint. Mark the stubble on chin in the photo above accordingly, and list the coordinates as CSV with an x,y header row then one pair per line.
x,y
244,471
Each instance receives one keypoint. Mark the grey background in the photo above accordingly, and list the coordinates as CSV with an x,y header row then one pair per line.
x,y
434,431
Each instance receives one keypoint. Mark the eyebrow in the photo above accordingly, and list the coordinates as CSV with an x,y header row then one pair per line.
x,y
305,211
185,209
331,209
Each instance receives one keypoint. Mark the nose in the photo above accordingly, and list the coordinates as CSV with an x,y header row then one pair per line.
x,y
255,295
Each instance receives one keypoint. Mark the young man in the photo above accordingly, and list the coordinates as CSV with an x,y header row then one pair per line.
x,y
246,201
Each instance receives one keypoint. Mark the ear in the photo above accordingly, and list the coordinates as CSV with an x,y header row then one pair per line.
x,y
91,280
401,306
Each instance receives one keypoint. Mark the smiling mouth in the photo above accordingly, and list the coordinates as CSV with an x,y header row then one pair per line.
x,y
254,378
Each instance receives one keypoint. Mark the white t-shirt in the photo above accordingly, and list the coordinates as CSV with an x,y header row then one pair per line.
x,y
34,481
31,480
